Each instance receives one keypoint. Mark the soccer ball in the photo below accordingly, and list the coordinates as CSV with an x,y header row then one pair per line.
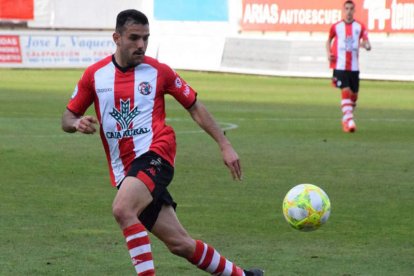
x,y
306,207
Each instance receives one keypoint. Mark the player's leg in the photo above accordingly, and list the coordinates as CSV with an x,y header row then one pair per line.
x,y
169,230
354,99
138,203
355,88
347,109
342,80
132,198
354,85
351,95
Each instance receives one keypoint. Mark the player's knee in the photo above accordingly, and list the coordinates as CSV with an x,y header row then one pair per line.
x,y
182,247
121,213
118,213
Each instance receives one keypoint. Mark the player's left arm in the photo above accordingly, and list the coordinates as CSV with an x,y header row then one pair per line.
x,y
206,121
187,97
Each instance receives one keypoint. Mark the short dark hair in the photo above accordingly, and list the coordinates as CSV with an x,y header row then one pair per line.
x,y
349,2
130,17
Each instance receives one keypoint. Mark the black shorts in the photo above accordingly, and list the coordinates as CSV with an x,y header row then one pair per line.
x,y
342,79
157,174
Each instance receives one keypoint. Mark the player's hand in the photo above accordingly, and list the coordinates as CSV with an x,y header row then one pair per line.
x,y
331,57
86,124
366,45
232,161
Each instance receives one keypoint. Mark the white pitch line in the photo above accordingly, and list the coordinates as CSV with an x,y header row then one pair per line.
x,y
227,126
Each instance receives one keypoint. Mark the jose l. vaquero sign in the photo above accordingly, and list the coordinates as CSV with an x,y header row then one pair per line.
x,y
54,49
388,16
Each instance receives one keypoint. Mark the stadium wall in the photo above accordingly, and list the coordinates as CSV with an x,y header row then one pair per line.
x,y
217,42
390,59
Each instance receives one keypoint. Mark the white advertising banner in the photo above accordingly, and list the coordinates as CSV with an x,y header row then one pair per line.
x,y
54,49
81,14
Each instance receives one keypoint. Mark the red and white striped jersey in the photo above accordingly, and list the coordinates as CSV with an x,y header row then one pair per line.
x,y
130,108
345,47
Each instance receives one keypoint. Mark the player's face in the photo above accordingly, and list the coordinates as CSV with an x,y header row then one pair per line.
x,y
349,10
132,44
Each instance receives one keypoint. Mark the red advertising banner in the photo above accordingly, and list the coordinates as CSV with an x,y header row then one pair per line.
x,y
17,9
10,50
388,16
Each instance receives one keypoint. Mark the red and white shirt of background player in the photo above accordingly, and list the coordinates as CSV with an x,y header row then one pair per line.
x,y
130,108
345,46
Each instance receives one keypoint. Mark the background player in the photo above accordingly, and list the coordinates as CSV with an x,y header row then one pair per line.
x,y
128,91
345,38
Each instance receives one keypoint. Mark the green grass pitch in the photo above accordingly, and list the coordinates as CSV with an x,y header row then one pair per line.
x,y
55,199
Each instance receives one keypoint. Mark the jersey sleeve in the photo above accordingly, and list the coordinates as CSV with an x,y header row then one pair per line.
x,y
332,32
83,94
179,89
364,32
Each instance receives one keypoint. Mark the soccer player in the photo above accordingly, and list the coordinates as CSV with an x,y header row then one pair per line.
x,y
127,90
345,39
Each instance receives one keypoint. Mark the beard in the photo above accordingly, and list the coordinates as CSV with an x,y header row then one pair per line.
x,y
132,59
135,58
131,63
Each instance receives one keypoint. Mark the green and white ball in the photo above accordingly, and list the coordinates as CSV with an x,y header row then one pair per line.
x,y
306,207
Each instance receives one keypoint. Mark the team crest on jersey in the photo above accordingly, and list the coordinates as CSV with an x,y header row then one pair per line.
x,y
145,88
124,117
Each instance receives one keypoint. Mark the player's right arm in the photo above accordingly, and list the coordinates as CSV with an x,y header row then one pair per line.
x,y
72,123
73,119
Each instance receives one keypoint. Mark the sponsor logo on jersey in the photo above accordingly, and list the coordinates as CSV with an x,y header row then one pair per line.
x,y
145,88
178,82
124,118
103,90
349,43
186,91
